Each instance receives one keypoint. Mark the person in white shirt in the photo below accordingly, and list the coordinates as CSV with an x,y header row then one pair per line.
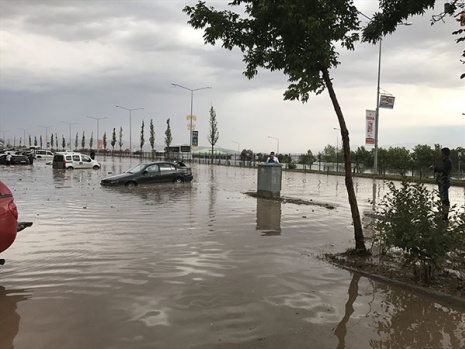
x,y
272,159
8,159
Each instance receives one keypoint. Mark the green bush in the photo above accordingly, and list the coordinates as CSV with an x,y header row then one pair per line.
x,y
292,165
410,218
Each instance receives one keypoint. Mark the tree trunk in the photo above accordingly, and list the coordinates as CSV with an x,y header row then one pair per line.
x,y
358,230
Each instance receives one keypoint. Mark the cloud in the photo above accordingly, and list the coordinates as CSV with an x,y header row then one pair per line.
x,y
63,60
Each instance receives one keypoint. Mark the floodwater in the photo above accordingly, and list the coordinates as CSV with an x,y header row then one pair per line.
x,y
199,265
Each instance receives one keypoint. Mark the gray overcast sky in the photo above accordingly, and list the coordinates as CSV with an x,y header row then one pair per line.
x,y
61,61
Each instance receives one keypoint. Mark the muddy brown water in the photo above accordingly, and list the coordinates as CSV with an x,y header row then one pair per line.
x,y
199,265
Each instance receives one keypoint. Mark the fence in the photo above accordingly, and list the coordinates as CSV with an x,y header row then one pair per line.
x,y
239,160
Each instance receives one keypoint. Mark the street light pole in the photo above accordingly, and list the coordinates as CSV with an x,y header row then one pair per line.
x,y
69,124
375,165
192,90
461,158
130,124
98,120
377,103
46,134
277,149
238,146
24,139
4,139
337,150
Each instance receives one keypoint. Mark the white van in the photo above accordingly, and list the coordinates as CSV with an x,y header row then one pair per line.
x,y
72,161
43,154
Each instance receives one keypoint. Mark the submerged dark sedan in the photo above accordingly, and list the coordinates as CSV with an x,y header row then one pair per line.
x,y
155,172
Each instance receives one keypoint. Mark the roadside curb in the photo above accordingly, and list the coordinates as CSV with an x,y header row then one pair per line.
x,y
436,295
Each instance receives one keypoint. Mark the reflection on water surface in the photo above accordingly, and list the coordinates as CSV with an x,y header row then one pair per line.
x,y
198,265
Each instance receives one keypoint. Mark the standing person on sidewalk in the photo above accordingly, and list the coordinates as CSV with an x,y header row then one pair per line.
x,y
443,170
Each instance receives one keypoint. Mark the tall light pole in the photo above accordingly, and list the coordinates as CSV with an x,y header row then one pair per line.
x,y
459,160
98,120
277,139
238,146
337,149
70,124
375,165
24,139
4,139
375,170
46,134
130,124
192,106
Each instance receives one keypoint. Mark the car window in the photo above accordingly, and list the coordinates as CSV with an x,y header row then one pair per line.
x,y
76,158
69,158
152,168
136,169
167,167
86,158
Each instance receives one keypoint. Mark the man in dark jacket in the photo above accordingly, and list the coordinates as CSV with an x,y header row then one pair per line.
x,y
442,171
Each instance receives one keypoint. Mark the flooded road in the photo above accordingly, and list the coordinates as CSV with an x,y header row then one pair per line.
x,y
199,265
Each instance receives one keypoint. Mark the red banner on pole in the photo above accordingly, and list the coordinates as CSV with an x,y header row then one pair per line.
x,y
370,127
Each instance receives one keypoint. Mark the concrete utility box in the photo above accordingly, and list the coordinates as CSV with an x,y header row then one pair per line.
x,y
269,180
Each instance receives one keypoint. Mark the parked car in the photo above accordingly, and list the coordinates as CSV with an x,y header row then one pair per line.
x,y
9,225
15,159
72,161
43,154
155,172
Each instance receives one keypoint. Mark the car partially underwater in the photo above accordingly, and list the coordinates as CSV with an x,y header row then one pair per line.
x,y
154,172
17,159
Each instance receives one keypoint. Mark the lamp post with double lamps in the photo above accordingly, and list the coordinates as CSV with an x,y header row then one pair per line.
x,y
130,124
192,90
98,120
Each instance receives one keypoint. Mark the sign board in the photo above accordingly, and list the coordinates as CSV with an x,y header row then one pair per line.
x,y
195,139
370,127
386,101
99,144
191,123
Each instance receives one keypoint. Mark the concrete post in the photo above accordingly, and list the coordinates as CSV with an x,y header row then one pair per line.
x,y
269,180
